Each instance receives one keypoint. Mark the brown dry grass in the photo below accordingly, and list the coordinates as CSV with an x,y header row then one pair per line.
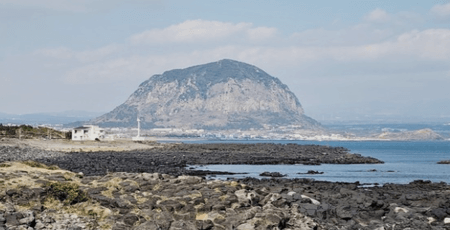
x,y
79,146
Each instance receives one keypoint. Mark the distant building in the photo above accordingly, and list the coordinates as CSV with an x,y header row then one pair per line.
x,y
87,132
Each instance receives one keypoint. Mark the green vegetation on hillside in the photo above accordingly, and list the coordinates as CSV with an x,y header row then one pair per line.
x,y
30,132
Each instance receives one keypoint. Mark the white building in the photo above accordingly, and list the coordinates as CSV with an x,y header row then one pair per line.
x,y
87,132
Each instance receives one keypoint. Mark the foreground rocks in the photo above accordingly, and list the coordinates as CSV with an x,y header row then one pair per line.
x,y
33,196
418,205
126,190
137,201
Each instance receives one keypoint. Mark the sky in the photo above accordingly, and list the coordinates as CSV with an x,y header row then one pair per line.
x,y
341,58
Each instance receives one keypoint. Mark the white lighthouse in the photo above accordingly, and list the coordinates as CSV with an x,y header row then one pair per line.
x,y
138,137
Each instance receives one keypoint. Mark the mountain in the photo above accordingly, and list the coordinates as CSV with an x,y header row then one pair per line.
x,y
221,95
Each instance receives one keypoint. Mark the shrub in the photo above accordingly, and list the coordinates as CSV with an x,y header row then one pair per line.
x,y
4,165
69,193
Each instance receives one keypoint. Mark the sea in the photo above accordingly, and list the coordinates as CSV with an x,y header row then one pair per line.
x,y
405,161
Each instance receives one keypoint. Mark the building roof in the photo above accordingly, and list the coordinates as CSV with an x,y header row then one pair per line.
x,y
82,127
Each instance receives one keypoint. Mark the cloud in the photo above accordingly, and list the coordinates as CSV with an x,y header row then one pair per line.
x,y
431,44
195,31
441,11
378,15
355,35
408,52
261,33
120,62
370,30
356,43
98,54
108,71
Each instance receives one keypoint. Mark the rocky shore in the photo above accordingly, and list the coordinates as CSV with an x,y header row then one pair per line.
x,y
417,205
34,196
173,158
129,195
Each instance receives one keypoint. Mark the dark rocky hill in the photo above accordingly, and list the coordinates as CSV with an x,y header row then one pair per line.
x,y
221,95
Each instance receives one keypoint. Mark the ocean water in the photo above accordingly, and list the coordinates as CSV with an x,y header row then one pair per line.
x,y
405,161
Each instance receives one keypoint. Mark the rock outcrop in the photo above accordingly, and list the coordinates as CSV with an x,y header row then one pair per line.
x,y
36,198
221,95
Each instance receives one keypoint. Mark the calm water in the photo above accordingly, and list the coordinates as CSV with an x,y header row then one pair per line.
x,y
409,161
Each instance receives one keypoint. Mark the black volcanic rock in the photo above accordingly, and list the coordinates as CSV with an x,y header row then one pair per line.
x,y
221,95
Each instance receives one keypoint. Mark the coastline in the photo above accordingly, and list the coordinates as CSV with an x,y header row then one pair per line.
x,y
171,199
173,158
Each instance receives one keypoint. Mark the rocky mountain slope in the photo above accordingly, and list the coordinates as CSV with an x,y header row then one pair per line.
x,y
221,95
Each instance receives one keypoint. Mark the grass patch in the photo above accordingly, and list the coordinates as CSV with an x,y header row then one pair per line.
x,y
35,164
52,167
4,165
106,226
112,185
69,193
67,177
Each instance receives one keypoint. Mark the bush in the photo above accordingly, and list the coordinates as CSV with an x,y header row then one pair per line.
x,y
4,165
69,193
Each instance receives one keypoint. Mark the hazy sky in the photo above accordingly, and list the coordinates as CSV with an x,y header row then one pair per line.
x,y
360,56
